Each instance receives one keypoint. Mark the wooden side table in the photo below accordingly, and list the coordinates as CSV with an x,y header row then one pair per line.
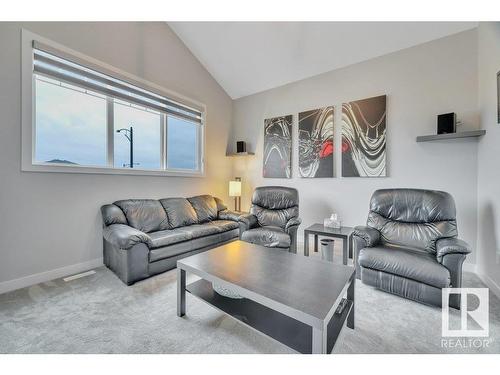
x,y
344,233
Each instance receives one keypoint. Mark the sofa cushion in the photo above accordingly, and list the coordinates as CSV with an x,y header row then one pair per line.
x,y
225,225
205,207
146,215
170,251
168,237
201,230
220,204
194,244
268,236
179,211
415,265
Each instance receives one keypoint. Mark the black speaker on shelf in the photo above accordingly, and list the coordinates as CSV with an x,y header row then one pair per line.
x,y
241,146
446,123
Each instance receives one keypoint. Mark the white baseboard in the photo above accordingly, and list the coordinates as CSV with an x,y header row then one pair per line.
x,y
7,286
492,285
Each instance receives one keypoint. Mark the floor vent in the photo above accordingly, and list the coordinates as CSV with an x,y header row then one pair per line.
x,y
79,275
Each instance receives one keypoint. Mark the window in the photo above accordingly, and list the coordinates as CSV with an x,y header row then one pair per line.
x,y
70,125
146,128
182,147
88,118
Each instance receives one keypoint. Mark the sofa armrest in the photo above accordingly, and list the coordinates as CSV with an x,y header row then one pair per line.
x,y
293,222
249,221
229,215
125,237
445,246
291,228
370,235
362,237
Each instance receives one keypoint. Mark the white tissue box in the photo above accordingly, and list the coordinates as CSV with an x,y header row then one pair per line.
x,y
330,223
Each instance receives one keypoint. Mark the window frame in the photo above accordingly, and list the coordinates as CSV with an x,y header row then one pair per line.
x,y
28,118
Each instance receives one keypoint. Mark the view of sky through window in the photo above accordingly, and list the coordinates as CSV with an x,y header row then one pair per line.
x,y
70,125
182,150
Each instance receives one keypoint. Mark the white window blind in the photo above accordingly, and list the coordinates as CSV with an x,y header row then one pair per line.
x,y
55,64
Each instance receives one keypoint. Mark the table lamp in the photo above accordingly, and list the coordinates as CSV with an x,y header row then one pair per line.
x,y
235,191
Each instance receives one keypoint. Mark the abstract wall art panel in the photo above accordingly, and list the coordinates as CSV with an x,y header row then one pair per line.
x,y
316,143
278,147
364,138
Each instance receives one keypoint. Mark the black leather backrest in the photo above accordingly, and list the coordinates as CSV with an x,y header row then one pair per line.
x,y
413,218
205,207
179,211
413,205
112,214
275,205
275,197
146,215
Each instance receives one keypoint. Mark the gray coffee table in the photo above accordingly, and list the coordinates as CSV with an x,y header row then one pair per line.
x,y
288,297
343,233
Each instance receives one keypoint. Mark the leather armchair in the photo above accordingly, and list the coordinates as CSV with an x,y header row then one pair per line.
x,y
409,245
273,219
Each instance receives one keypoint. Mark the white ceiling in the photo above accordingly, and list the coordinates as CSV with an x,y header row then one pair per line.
x,y
249,57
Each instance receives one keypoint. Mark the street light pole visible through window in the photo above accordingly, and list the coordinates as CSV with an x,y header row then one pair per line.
x,y
129,134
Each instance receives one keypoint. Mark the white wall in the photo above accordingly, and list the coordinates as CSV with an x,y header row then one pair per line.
x,y
420,82
488,254
52,220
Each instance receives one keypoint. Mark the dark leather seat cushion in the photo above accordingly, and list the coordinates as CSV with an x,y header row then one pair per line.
x,y
267,236
201,230
194,244
168,237
412,264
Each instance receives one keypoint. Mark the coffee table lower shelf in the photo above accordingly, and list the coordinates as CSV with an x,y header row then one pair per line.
x,y
280,327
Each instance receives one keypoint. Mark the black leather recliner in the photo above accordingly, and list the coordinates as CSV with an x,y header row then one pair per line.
x,y
409,246
273,219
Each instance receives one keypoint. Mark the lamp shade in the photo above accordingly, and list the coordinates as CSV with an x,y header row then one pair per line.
x,y
235,188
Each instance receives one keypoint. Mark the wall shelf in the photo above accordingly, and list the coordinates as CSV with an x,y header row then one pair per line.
x,y
240,154
440,137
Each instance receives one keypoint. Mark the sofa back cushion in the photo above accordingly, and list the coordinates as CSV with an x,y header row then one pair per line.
x,y
220,204
179,211
146,215
205,207
413,218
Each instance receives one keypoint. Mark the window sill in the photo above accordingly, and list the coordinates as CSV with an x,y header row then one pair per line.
x,y
110,171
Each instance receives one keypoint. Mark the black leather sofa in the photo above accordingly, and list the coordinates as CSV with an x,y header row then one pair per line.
x,y
409,245
144,237
273,219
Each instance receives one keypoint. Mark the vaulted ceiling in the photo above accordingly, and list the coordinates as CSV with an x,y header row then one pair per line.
x,y
249,57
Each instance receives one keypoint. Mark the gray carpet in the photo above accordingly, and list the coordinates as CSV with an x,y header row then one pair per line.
x,y
99,314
